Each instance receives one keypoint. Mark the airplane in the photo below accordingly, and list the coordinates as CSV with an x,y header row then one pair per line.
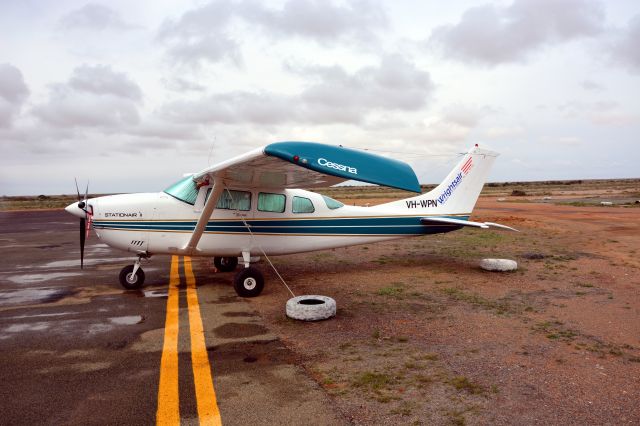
x,y
250,205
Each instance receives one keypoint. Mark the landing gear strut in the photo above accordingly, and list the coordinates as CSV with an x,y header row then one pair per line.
x,y
132,276
249,281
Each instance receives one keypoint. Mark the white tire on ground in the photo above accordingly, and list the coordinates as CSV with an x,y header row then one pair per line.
x,y
500,265
311,308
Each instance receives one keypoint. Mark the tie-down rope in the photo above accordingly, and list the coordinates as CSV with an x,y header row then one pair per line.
x,y
259,246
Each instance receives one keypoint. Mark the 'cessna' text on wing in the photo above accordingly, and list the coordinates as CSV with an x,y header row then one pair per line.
x,y
324,162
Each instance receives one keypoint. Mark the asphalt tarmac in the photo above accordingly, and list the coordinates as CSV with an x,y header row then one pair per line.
x,y
76,348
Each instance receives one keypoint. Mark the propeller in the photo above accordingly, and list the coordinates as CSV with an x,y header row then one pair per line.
x,y
85,222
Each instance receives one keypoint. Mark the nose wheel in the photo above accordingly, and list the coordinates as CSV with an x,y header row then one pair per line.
x,y
132,276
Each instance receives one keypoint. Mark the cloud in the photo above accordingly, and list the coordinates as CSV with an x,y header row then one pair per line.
x,y
179,84
13,93
396,84
454,124
232,108
614,118
102,80
591,85
580,110
205,34
624,49
566,140
443,130
504,132
199,34
492,35
561,140
155,129
601,113
94,96
464,116
93,16
333,96
67,108
97,111
323,21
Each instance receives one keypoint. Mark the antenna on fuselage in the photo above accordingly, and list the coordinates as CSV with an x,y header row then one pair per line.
x,y
211,150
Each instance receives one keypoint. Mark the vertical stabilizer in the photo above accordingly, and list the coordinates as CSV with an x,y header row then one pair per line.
x,y
459,191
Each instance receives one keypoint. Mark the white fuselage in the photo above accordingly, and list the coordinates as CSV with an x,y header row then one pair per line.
x,y
158,223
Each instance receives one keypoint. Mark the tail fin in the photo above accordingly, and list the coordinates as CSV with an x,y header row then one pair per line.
x,y
459,191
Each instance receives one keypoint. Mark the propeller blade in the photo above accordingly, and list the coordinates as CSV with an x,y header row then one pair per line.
x,y
82,239
86,192
77,189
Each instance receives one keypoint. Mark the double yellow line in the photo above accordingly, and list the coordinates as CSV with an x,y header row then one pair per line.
x,y
168,397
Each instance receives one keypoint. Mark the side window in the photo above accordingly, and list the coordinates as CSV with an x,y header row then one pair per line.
x,y
302,205
271,202
233,200
331,203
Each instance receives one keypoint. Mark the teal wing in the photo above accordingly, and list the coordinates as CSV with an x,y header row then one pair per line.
x,y
311,165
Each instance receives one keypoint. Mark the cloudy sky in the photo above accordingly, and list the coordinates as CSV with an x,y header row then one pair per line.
x,y
131,95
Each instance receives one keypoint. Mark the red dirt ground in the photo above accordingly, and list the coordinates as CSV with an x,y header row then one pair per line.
x,y
423,336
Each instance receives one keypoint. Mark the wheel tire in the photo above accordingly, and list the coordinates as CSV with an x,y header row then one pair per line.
x,y
128,280
249,282
311,308
225,264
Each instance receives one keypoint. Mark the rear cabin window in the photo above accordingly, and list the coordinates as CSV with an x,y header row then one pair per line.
x,y
233,200
302,205
331,203
271,202
185,190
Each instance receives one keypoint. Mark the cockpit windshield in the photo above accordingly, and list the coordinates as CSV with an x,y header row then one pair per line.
x,y
331,203
184,190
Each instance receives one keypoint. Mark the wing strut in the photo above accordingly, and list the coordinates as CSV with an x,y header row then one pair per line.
x,y
207,211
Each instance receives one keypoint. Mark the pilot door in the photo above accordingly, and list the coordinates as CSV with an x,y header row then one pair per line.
x,y
227,233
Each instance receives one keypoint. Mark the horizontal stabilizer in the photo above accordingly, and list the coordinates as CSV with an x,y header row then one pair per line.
x,y
462,222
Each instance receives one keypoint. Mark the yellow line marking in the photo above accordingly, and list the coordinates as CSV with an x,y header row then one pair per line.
x,y
205,395
168,400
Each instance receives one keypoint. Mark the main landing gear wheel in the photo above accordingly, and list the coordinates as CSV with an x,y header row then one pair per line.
x,y
225,264
249,282
129,280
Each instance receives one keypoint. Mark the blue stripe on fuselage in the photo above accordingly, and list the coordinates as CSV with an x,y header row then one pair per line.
x,y
397,225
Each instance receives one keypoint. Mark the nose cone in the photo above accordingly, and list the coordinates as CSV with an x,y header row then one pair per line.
x,y
75,210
